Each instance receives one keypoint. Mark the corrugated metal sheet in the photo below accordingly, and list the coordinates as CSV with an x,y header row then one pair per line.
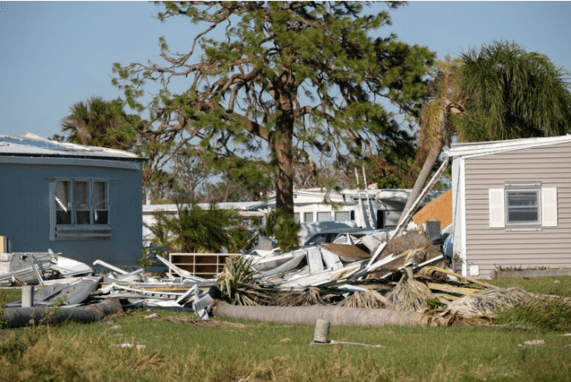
x,y
33,145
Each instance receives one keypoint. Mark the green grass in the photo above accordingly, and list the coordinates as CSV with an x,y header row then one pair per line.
x,y
256,351
556,285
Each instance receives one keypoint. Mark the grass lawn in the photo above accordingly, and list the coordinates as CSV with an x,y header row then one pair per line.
x,y
226,350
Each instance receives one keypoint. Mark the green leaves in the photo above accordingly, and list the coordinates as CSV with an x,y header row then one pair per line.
x,y
286,74
281,225
195,230
513,94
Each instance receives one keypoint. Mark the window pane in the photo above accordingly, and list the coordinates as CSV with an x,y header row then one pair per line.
x,y
100,217
522,216
100,195
308,217
63,203
81,197
522,199
522,207
321,216
342,215
81,202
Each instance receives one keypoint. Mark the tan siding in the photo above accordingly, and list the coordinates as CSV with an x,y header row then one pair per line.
x,y
490,247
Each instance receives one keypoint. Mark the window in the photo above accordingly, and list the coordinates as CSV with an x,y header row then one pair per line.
x,y
79,209
523,206
342,215
323,216
296,217
308,217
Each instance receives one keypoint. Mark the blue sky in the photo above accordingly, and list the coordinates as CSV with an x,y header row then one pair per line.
x,y
54,54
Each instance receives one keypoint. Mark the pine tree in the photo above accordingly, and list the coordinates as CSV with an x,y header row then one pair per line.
x,y
294,79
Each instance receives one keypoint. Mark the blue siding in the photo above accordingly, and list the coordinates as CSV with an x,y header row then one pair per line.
x,y
25,209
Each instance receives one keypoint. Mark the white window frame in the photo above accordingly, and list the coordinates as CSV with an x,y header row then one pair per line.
x,y
546,206
75,231
528,189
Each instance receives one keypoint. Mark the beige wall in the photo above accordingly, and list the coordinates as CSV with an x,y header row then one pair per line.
x,y
489,247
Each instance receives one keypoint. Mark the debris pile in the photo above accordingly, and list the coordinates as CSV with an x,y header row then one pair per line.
x,y
71,286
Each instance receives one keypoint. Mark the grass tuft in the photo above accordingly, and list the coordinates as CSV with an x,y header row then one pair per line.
x,y
545,313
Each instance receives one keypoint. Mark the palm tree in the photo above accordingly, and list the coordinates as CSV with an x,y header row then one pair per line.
x,y
498,92
97,122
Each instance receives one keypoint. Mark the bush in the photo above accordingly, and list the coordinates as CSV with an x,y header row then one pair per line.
x,y
283,227
196,230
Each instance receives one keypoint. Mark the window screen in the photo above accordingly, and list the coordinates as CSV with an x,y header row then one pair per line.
x,y
342,215
522,207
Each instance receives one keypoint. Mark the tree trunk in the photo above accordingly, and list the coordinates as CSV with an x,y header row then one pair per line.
x,y
336,315
424,174
281,143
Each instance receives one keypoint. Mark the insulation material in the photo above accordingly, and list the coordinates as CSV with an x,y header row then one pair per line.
x,y
439,209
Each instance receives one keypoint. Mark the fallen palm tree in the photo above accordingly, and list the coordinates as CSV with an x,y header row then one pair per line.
x,y
336,315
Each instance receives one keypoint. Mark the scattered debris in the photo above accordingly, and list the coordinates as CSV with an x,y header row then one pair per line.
x,y
128,345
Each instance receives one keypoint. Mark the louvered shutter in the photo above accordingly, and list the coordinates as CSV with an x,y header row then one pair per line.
x,y
497,210
549,207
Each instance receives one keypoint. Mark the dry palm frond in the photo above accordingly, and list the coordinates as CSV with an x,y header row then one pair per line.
x,y
186,321
427,271
410,241
310,296
236,282
410,294
451,289
142,364
370,299
487,302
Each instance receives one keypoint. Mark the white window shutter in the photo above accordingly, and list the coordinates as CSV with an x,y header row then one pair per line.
x,y
52,189
549,207
497,213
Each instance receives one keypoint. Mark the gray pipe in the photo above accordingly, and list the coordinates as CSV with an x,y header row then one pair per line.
x,y
17,317
336,315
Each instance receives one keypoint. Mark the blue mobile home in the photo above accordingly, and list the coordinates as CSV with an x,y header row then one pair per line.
x,y
83,202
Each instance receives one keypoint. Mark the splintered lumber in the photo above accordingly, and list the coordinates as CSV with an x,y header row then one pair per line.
x,y
452,289
427,269
407,215
346,252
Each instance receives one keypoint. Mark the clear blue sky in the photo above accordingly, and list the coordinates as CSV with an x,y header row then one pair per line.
x,y
53,54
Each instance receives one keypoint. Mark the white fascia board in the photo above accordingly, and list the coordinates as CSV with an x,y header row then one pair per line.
x,y
56,161
504,146
463,253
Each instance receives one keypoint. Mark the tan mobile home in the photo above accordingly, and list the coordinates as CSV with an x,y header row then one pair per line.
x,y
512,204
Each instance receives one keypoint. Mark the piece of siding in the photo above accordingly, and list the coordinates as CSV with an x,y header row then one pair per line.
x,y
497,207
549,206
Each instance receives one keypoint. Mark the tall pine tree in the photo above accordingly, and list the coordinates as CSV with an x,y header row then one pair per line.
x,y
293,79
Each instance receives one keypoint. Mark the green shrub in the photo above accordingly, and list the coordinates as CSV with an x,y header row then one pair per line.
x,y
283,227
196,230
